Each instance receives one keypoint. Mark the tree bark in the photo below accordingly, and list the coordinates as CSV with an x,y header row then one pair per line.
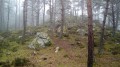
x,y
100,50
44,13
24,19
38,13
16,16
8,15
117,16
113,19
32,13
62,18
90,34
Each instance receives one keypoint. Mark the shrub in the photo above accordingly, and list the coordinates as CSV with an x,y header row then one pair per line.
x,y
96,42
6,34
20,61
14,49
115,50
4,44
5,64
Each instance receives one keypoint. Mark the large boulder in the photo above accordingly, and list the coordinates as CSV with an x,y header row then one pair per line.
x,y
41,40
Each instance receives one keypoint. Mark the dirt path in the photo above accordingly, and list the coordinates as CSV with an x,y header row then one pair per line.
x,y
65,44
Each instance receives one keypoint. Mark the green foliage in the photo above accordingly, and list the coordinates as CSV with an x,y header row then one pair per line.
x,y
5,34
4,44
14,49
5,64
96,41
13,38
72,30
20,62
115,50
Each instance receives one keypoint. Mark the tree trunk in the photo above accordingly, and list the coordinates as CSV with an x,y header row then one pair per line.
x,y
1,14
19,16
117,16
32,13
113,19
8,15
38,13
82,6
24,19
44,13
100,50
90,34
62,18
16,17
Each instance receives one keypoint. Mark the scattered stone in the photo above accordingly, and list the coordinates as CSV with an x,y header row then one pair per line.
x,y
57,49
34,53
117,43
20,37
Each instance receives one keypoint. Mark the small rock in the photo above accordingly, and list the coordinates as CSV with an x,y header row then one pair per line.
x,y
20,37
57,49
34,53
117,43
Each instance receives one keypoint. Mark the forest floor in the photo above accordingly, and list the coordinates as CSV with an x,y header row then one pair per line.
x,y
72,53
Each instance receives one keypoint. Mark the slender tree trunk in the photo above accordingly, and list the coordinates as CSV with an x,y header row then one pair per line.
x,y
82,6
37,18
44,13
32,13
24,19
62,18
55,12
113,19
1,15
117,16
100,50
90,34
51,16
16,16
38,13
19,16
8,15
